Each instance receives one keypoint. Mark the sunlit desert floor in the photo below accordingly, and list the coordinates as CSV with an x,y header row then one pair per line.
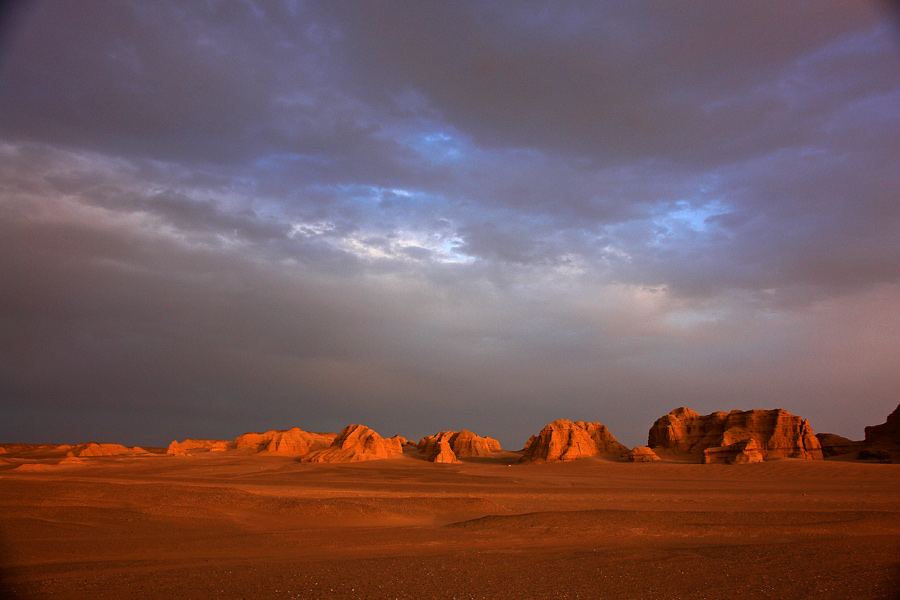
x,y
231,525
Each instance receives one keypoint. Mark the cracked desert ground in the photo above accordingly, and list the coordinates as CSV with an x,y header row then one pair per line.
x,y
233,525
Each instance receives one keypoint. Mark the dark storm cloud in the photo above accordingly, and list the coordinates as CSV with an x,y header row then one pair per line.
x,y
609,82
234,215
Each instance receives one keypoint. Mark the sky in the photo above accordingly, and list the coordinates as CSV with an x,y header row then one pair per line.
x,y
230,216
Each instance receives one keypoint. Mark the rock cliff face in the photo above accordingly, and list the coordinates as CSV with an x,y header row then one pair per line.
x,y
739,453
566,440
775,434
888,433
462,444
836,445
443,453
356,443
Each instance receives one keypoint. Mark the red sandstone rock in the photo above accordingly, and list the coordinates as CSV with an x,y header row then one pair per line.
x,y
95,449
355,443
642,454
296,442
742,452
189,446
835,445
403,441
253,440
888,433
463,444
444,454
564,440
776,434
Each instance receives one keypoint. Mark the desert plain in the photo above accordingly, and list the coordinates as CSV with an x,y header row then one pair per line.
x,y
245,525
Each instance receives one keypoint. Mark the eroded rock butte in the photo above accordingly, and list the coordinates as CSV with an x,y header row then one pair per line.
x,y
564,440
726,437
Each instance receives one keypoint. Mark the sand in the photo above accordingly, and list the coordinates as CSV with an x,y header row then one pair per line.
x,y
235,525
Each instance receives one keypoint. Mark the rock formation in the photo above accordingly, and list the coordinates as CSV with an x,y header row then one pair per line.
x,y
886,434
462,444
642,454
403,441
293,442
355,443
189,446
296,442
564,440
253,440
739,453
835,445
443,453
775,433
95,449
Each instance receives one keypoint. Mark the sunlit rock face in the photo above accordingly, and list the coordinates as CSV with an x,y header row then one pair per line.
x,y
774,433
564,440
443,453
292,442
189,446
95,449
356,443
642,454
739,453
463,444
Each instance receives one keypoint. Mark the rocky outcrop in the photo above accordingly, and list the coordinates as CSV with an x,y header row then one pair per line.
x,y
886,434
642,454
289,442
253,440
775,433
564,440
356,443
463,444
403,441
738,453
190,446
443,453
296,442
95,449
835,445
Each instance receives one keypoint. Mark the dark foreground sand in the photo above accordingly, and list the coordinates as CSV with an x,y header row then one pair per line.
x,y
249,526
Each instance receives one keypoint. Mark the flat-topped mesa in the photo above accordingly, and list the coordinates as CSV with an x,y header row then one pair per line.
x,y
462,444
190,446
356,443
775,434
564,440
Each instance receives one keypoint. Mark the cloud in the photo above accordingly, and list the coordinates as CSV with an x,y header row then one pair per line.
x,y
240,215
